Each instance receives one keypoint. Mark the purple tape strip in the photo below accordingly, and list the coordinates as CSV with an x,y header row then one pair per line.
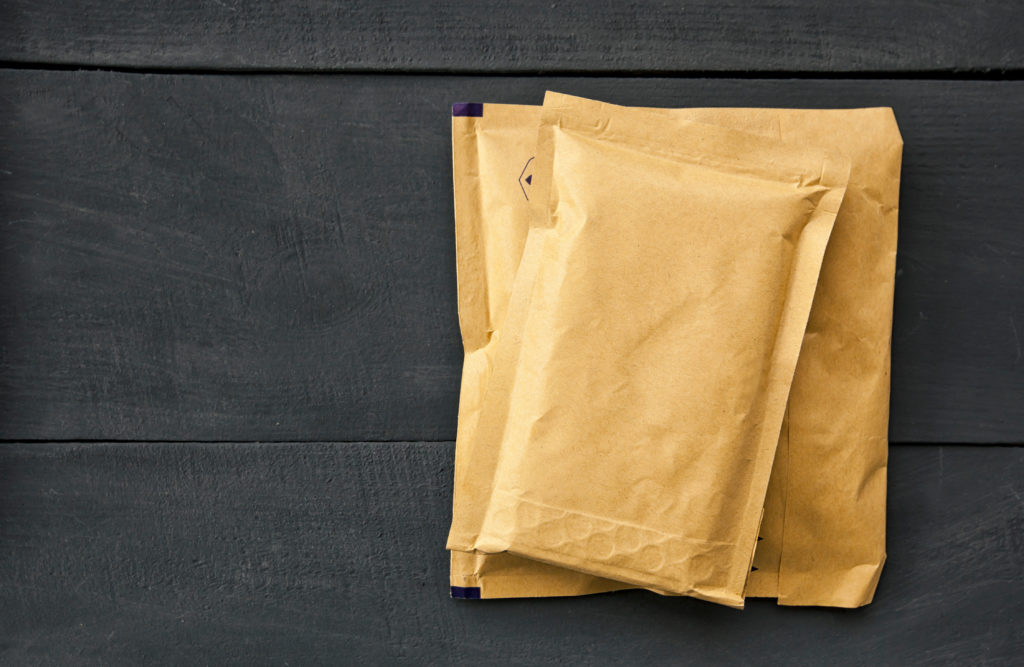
x,y
467,109
466,593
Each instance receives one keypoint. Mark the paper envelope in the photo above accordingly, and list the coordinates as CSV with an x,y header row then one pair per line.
x,y
576,585
493,151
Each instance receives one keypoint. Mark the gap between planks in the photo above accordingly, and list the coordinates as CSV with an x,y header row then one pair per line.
x,y
1010,74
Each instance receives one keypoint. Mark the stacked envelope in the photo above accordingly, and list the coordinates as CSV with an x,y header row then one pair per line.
x,y
677,329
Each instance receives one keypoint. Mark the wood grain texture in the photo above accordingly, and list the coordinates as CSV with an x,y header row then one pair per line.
x,y
526,36
272,258
177,553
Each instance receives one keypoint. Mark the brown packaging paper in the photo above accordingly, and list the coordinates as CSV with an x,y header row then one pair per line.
x,y
493,156
851,428
832,523
630,423
841,567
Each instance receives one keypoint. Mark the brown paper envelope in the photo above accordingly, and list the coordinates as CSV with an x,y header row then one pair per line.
x,y
833,544
629,427
493,156
845,568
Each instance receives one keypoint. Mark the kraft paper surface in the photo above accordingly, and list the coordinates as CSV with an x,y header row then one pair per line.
x,y
491,155
631,417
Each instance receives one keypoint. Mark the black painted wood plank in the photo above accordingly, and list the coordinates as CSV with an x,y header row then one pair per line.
x,y
527,36
176,553
271,257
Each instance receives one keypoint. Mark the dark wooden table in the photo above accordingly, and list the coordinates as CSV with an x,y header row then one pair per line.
x,y
229,355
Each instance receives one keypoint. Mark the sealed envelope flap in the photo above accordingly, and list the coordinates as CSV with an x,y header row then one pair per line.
x,y
630,423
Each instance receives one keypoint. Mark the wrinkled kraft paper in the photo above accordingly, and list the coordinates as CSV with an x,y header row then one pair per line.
x,y
493,157
630,423
834,547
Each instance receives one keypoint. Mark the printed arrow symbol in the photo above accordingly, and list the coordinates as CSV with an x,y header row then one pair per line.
x,y
528,179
